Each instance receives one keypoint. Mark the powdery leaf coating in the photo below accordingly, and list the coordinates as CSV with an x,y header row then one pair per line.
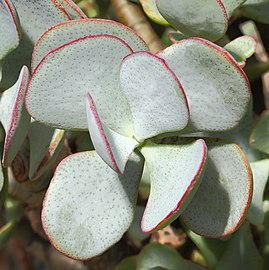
x,y
260,171
67,31
222,200
155,95
241,252
241,48
113,148
14,117
150,8
72,9
207,18
45,145
255,2
57,89
175,174
9,30
259,136
96,204
232,5
217,89
40,14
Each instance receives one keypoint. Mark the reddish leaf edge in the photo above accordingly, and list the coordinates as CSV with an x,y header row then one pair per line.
x,y
74,7
175,77
58,5
82,21
48,55
103,135
14,17
19,101
243,217
182,199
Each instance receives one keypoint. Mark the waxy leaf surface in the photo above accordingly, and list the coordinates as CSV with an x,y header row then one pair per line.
x,y
57,89
207,18
241,48
150,8
260,134
241,252
45,145
96,203
155,95
157,256
232,5
35,17
9,30
14,117
222,200
260,171
114,148
257,12
217,89
175,174
67,31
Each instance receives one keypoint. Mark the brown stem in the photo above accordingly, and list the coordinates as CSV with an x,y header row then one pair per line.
x,y
131,15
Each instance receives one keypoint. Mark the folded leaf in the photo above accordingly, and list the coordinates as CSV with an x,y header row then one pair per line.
x,y
217,89
155,95
72,9
57,89
96,204
113,148
68,31
10,28
175,174
223,198
45,145
14,117
241,48
207,18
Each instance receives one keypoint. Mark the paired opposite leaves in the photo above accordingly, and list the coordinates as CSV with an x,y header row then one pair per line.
x,y
96,203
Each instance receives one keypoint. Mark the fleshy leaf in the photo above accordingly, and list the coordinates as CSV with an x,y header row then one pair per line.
x,y
255,2
57,89
3,186
72,9
257,12
40,14
241,48
113,148
222,200
260,134
175,174
217,89
176,36
9,31
207,18
96,203
157,256
155,95
232,5
241,252
68,31
14,117
150,8
45,145
260,171
127,263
